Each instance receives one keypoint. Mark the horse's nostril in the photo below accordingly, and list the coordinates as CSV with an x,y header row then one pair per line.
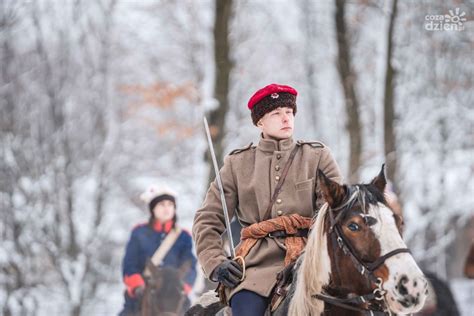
x,y
403,290
401,285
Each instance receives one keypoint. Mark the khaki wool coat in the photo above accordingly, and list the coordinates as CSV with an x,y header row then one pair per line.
x,y
249,176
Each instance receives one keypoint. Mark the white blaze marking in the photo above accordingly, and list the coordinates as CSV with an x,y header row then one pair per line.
x,y
402,264
386,229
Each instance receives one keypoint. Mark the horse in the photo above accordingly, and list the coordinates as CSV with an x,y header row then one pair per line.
x,y
164,294
355,261
440,300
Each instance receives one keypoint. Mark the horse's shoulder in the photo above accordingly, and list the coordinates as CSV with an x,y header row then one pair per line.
x,y
311,144
241,150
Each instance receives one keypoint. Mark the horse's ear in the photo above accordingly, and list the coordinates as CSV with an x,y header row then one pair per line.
x,y
380,181
331,191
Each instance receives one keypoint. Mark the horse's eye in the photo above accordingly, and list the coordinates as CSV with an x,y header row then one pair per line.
x,y
353,227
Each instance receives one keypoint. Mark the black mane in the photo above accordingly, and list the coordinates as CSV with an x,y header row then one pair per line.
x,y
368,194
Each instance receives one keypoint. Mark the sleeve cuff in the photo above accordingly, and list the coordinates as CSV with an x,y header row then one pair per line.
x,y
211,264
187,288
132,282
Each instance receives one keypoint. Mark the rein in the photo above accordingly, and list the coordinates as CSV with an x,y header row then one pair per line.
x,y
366,269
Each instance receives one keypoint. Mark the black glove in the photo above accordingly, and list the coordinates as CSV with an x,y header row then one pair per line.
x,y
228,273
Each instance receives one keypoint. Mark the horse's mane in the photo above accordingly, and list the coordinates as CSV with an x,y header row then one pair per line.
x,y
314,268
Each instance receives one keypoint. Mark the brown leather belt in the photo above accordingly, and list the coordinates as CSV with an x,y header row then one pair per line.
x,y
284,234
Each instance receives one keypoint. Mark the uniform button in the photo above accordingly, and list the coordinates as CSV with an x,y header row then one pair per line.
x,y
277,178
280,212
277,168
278,156
279,201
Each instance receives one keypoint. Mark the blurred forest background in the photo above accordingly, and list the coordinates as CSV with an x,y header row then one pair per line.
x,y
100,98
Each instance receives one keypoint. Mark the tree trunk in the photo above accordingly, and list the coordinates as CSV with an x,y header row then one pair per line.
x,y
76,310
310,30
390,145
348,79
221,84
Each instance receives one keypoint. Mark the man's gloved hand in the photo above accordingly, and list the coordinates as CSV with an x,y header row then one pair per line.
x,y
228,273
139,292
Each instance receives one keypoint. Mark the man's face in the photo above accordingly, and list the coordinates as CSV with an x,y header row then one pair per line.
x,y
277,124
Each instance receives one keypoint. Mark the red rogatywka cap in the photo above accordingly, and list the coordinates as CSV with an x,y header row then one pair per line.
x,y
270,98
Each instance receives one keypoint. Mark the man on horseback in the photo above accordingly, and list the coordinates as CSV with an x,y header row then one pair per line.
x,y
148,241
271,190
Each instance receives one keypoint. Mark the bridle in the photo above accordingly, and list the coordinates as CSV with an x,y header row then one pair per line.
x,y
367,269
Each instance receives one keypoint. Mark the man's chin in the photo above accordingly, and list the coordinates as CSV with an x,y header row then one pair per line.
x,y
282,135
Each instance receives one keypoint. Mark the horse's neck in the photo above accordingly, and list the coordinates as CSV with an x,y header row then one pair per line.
x,y
341,284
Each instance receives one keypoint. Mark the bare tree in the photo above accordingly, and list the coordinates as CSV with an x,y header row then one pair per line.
x,y
17,252
390,147
310,33
348,79
56,141
223,68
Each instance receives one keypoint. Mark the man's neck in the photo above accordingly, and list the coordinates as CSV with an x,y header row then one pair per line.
x,y
273,138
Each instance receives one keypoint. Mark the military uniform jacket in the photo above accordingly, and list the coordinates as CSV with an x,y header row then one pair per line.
x,y
249,177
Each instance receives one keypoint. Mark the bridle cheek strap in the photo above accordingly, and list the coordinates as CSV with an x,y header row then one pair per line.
x,y
377,263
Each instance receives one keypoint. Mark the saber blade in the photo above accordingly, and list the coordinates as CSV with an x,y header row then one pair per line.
x,y
221,189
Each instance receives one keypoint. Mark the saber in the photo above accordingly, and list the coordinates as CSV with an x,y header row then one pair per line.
x,y
221,189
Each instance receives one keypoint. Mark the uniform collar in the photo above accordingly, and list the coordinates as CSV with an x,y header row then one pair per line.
x,y
271,145
162,227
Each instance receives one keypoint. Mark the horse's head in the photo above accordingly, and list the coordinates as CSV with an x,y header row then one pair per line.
x,y
365,246
164,289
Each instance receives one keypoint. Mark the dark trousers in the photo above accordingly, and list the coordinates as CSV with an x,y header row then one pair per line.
x,y
247,303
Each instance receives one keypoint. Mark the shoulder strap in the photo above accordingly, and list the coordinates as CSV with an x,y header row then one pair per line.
x,y
163,249
314,144
280,183
239,150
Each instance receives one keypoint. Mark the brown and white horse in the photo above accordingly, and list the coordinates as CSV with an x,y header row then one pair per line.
x,y
355,261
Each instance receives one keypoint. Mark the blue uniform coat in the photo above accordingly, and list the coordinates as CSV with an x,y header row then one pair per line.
x,y
143,243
